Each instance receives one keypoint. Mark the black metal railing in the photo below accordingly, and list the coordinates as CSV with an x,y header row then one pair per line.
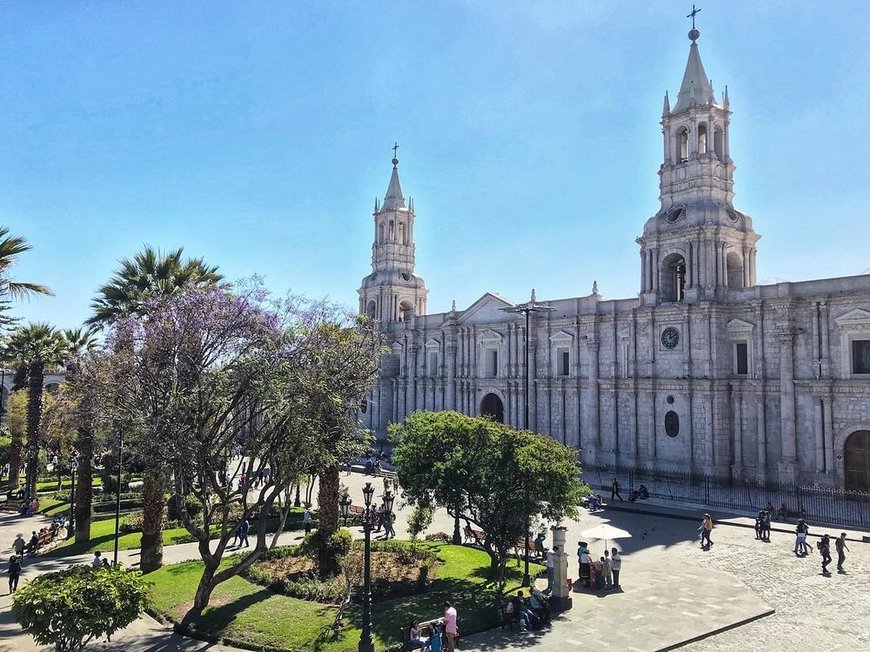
x,y
830,505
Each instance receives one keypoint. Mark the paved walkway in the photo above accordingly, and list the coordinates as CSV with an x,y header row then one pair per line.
x,y
673,591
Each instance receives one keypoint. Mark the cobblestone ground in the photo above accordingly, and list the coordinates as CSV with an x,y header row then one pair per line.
x,y
812,612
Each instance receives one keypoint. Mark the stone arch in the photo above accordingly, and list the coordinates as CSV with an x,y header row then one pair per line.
x,y
403,233
839,447
681,140
719,143
734,267
702,138
372,309
492,406
406,310
672,285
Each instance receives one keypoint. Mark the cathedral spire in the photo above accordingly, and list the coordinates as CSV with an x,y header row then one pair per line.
x,y
394,199
696,87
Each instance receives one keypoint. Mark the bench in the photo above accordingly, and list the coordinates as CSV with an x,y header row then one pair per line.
x,y
536,550
11,505
406,634
474,537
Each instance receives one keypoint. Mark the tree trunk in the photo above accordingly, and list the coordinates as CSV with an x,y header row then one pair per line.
x,y
203,594
34,417
14,462
154,482
83,488
20,379
327,500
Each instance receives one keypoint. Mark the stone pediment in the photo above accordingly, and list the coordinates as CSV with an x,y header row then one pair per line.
x,y
856,318
489,337
433,344
739,327
485,310
561,337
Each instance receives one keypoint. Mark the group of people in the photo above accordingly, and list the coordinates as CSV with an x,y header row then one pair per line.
x,y
802,549
29,507
601,573
530,613
435,635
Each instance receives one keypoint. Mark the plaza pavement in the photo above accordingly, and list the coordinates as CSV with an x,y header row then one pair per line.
x,y
673,591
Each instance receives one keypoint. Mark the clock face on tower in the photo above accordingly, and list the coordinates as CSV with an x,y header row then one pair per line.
x,y
670,337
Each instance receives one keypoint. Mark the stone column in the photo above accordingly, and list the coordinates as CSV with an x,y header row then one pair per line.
x,y
737,422
450,364
788,463
594,445
560,600
761,469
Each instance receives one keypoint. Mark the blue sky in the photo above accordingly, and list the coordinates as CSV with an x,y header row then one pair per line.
x,y
257,135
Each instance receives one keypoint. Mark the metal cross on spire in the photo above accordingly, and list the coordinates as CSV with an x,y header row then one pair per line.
x,y
692,15
395,149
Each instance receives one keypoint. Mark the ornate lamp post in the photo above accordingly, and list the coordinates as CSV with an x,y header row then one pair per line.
x,y
73,465
365,640
388,499
527,309
32,454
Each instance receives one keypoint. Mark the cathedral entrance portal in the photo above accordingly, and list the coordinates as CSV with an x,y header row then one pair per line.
x,y
857,466
492,407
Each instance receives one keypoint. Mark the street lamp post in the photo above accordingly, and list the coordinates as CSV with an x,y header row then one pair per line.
x,y
527,309
31,473
365,640
118,494
344,505
73,465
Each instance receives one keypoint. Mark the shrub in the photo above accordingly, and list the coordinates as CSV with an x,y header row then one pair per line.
x,y
338,544
440,537
70,607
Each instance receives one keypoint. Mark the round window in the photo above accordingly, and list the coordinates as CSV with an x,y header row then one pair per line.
x,y
672,423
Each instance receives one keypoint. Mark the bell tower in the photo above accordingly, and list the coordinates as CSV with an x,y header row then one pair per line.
x,y
698,246
393,293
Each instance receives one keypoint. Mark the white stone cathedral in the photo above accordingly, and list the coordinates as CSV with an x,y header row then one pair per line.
x,y
705,370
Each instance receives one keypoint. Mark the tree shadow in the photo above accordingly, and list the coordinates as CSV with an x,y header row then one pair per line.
x,y
216,619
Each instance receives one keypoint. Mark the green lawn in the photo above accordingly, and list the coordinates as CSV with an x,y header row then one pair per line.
x,y
241,611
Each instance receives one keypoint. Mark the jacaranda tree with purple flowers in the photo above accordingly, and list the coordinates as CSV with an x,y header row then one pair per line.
x,y
217,385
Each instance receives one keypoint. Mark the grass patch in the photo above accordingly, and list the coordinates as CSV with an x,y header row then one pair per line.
x,y
242,611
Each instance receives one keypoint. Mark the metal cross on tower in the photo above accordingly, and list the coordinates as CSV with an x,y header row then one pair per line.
x,y
395,149
692,15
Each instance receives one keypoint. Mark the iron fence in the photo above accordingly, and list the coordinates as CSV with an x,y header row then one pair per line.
x,y
829,505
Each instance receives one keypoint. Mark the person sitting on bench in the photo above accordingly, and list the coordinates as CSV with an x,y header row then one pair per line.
x,y
415,636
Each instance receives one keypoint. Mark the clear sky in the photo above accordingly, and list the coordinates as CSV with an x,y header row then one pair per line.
x,y
258,134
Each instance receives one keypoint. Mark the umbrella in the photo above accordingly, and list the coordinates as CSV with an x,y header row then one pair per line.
x,y
605,531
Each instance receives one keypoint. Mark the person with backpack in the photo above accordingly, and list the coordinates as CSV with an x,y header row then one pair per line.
x,y
14,573
824,546
800,543
705,530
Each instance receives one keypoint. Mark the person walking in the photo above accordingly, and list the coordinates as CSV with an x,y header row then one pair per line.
x,y
615,566
705,530
244,528
800,542
759,524
614,491
451,627
389,529
14,572
824,545
765,528
18,545
840,545
306,519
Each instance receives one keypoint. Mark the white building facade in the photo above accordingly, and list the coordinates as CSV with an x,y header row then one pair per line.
x,y
704,371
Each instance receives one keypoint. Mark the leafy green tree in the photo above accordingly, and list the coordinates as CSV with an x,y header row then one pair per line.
x,y
69,608
39,346
11,248
149,274
504,476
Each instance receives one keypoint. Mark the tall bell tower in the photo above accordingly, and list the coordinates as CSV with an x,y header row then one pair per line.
x,y
393,292
698,246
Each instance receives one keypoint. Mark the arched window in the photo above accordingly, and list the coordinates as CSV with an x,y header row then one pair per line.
x,y
372,309
381,233
702,139
406,310
392,231
492,407
673,278
735,270
719,144
403,235
682,141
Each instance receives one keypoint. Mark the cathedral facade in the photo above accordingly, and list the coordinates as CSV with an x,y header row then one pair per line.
x,y
704,370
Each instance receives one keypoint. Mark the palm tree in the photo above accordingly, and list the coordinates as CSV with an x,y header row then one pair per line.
x,y
11,247
149,273
38,346
79,342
